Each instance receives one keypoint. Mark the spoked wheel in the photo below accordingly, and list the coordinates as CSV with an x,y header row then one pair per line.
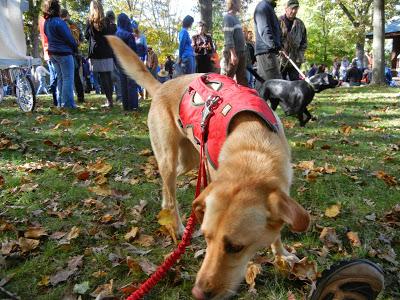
x,y
25,93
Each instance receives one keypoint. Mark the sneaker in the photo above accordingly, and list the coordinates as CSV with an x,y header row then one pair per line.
x,y
358,279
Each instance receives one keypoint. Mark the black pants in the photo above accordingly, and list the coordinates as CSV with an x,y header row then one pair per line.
x,y
203,64
290,72
77,80
106,84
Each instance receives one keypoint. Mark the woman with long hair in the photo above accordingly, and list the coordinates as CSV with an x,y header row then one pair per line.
x,y
100,53
61,47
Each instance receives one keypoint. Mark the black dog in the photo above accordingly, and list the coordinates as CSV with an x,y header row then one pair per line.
x,y
294,96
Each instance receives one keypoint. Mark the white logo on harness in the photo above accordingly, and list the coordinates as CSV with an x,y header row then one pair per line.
x,y
226,110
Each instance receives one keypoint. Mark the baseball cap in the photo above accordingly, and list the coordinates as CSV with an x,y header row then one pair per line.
x,y
293,3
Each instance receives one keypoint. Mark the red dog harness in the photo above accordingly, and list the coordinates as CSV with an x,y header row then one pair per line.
x,y
223,104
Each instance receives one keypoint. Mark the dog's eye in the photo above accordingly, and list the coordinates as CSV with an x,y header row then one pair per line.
x,y
231,248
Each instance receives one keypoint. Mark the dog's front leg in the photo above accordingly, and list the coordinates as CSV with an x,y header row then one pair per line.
x,y
281,253
168,174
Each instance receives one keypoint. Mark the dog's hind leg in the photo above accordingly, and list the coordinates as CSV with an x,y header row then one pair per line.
x,y
308,115
300,117
188,157
165,139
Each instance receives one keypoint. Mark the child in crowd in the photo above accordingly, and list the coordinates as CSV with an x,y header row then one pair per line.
x,y
40,76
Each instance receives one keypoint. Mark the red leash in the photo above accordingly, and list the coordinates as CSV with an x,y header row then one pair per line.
x,y
162,270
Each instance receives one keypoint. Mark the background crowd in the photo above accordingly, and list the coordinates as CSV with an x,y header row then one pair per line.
x,y
271,50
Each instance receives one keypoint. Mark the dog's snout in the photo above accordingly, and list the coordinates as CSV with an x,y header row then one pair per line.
x,y
200,295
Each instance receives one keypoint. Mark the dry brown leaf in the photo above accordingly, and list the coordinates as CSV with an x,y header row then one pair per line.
x,y
74,233
27,245
128,289
288,124
35,232
66,150
133,265
99,274
107,218
165,217
100,179
64,123
7,227
8,247
41,119
304,270
325,147
146,152
131,234
145,240
346,130
252,271
333,211
5,122
28,187
310,143
103,290
83,175
2,181
389,180
101,190
100,167
329,170
353,238
312,176
50,143
305,165
329,237
57,235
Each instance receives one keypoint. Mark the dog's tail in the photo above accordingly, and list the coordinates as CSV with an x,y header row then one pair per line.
x,y
255,74
132,65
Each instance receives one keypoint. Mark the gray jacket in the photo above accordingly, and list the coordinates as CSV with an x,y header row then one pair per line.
x,y
295,41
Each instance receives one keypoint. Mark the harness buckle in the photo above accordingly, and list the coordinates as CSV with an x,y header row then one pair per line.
x,y
209,106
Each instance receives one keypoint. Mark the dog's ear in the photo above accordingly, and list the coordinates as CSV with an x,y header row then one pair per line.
x,y
286,209
199,204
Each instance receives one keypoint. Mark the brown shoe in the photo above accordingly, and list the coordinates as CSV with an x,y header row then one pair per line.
x,y
358,279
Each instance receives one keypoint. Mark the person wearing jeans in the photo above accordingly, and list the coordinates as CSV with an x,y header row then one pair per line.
x,y
62,46
186,52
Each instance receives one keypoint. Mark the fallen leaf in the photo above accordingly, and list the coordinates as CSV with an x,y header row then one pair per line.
x,y
145,240
66,150
100,167
305,165
166,219
329,237
333,211
325,147
346,130
393,216
7,227
389,180
131,234
27,245
2,181
146,152
353,238
61,276
99,274
57,235
133,265
45,281
371,217
101,190
28,187
35,232
390,256
329,170
5,122
75,262
74,233
81,288
41,119
310,143
100,179
103,290
147,266
304,270
252,271
63,123
83,175
8,247
106,218
128,289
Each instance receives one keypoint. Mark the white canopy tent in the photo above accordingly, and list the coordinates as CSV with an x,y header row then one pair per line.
x,y
12,36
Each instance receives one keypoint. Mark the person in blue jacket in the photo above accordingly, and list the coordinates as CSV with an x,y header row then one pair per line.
x,y
186,52
62,46
128,86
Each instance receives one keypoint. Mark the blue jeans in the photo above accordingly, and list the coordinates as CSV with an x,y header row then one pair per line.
x,y
53,81
188,65
64,66
42,85
129,92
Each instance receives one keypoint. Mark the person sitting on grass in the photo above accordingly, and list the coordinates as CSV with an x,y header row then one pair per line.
x,y
353,75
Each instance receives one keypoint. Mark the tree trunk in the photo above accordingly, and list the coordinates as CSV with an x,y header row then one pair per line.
x,y
206,13
34,36
360,52
378,63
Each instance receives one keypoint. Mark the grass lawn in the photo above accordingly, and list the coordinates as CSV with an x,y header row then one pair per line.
x,y
64,217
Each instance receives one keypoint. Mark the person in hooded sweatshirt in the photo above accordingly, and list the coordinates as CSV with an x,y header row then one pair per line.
x,y
128,86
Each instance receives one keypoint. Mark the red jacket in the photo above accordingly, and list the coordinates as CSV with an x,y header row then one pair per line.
x,y
233,99
43,37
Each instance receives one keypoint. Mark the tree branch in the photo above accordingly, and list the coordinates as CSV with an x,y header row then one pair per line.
x,y
367,6
348,14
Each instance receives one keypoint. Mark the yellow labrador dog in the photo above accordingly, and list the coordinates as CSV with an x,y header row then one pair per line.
x,y
247,203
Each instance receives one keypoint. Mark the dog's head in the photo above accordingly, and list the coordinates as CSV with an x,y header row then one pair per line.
x,y
323,81
238,219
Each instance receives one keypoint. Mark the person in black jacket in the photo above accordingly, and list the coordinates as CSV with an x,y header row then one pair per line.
x,y
268,40
128,86
100,53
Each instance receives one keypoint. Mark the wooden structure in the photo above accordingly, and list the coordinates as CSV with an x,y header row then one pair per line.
x,y
392,31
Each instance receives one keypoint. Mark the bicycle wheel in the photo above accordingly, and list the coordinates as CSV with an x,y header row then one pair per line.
x,y
1,88
25,94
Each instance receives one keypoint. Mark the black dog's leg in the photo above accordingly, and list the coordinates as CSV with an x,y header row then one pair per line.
x,y
274,104
300,117
308,115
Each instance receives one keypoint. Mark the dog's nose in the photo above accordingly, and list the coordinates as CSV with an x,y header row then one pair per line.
x,y
198,293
